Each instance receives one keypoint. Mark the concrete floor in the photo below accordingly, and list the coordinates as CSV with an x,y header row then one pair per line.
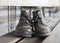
x,y
55,36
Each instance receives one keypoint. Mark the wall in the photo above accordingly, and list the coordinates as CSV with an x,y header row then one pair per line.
x,y
29,2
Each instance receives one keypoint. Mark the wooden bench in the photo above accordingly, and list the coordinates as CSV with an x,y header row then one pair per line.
x,y
53,23
50,19
12,38
50,39
9,38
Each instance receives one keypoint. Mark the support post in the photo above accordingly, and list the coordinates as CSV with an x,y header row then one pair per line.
x,y
43,11
8,18
29,12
